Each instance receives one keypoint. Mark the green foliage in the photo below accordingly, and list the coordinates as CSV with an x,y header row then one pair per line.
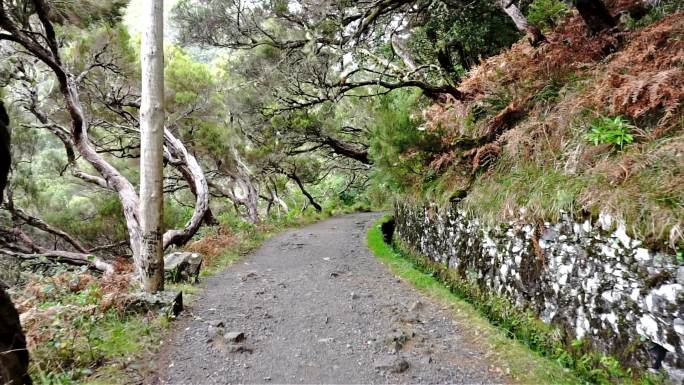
x,y
280,6
605,130
186,81
68,356
175,214
546,14
397,146
234,222
457,37
93,219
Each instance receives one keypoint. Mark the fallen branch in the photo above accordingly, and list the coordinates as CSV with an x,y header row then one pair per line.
x,y
68,257
40,224
30,250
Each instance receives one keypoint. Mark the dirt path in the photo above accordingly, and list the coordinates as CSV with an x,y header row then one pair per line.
x,y
316,307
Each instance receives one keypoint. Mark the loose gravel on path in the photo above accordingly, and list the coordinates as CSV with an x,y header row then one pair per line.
x,y
313,305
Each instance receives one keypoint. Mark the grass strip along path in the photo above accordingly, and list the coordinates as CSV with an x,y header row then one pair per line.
x,y
522,364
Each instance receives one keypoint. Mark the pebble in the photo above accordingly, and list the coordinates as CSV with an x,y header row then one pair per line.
x,y
416,306
218,324
314,333
392,364
234,336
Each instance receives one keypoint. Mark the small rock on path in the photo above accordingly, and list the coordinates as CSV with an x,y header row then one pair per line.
x,y
299,323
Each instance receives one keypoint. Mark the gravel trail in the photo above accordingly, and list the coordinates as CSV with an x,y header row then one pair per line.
x,y
313,305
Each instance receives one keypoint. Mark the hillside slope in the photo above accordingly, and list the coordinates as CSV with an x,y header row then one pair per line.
x,y
590,125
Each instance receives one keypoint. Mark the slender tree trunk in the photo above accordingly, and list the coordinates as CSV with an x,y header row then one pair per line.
x,y
252,202
276,197
4,148
308,195
595,15
14,357
150,263
536,36
193,174
269,205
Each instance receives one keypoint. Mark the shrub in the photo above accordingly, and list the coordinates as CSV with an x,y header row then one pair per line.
x,y
604,130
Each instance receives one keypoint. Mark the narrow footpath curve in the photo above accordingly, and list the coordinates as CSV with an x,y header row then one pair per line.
x,y
315,306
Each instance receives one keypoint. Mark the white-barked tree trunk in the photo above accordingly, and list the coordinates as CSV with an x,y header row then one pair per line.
x,y
150,263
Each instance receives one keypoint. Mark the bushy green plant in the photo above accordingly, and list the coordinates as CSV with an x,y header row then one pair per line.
x,y
605,130
546,14
234,222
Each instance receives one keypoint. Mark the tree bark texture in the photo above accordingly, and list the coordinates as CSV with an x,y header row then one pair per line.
x,y
193,174
150,263
521,22
308,195
14,357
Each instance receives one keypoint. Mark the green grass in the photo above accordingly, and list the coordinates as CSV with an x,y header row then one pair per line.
x,y
529,350
540,191
100,347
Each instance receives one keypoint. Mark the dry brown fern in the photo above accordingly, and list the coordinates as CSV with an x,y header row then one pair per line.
x,y
484,157
442,161
647,76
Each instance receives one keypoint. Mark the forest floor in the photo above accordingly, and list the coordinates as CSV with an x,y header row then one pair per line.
x,y
315,306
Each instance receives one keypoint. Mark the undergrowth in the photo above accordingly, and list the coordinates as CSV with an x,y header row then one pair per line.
x,y
548,360
78,329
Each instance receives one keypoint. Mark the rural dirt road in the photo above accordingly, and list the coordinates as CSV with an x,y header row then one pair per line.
x,y
315,306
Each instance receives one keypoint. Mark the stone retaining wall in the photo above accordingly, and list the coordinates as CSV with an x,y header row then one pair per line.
x,y
596,285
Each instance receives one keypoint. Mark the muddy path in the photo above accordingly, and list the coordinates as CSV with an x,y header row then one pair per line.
x,y
313,305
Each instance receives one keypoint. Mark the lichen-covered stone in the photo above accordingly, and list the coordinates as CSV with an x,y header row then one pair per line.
x,y
168,302
593,283
182,266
